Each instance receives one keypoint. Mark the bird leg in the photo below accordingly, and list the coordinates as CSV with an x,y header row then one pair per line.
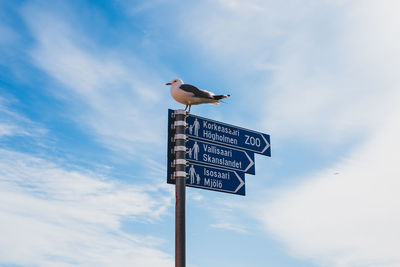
x,y
186,107
189,108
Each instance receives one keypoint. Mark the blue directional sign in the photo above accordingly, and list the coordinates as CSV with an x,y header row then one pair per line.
x,y
220,156
228,135
216,179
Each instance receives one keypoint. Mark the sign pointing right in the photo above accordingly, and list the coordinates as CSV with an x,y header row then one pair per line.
x,y
220,156
228,135
216,179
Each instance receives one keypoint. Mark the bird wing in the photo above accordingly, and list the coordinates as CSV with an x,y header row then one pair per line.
x,y
196,91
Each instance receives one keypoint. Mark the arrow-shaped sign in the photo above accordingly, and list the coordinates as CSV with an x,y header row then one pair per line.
x,y
220,156
228,135
216,179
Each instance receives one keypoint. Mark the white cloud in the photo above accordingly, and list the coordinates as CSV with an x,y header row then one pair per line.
x,y
113,95
133,8
225,215
14,124
322,66
57,217
331,75
196,196
338,80
250,32
347,215
231,227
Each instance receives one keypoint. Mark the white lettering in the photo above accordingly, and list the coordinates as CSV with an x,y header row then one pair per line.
x,y
252,141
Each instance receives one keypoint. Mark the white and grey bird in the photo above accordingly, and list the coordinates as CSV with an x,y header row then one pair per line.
x,y
191,95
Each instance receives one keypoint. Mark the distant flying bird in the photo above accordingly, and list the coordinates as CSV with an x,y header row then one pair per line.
x,y
191,95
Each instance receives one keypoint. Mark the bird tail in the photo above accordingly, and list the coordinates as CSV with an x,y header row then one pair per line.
x,y
218,97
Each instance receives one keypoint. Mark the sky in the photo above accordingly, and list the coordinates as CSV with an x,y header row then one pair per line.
x,y
83,131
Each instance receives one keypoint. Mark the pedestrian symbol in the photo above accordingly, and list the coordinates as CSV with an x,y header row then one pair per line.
x,y
196,126
195,150
192,174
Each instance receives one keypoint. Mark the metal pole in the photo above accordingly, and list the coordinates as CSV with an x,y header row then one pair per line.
x,y
180,187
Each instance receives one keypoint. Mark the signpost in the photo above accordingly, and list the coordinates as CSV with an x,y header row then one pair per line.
x,y
210,155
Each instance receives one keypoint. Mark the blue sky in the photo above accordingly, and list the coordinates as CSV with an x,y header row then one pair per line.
x,y
83,131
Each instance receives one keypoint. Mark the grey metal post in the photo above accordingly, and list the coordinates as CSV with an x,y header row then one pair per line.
x,y
180,176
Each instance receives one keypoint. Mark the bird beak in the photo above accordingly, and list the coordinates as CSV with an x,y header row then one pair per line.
x,y
168,83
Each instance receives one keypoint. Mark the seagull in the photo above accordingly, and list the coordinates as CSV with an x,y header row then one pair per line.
x,y
191,95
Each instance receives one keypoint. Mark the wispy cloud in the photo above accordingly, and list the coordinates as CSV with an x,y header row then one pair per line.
x,y
246,34
13,123
336,80
326,71
113,95
331,76
345,215
321,68
348,214
225,215
54,216
229,226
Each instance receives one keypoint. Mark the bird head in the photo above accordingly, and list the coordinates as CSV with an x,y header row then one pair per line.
x,y
175,82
